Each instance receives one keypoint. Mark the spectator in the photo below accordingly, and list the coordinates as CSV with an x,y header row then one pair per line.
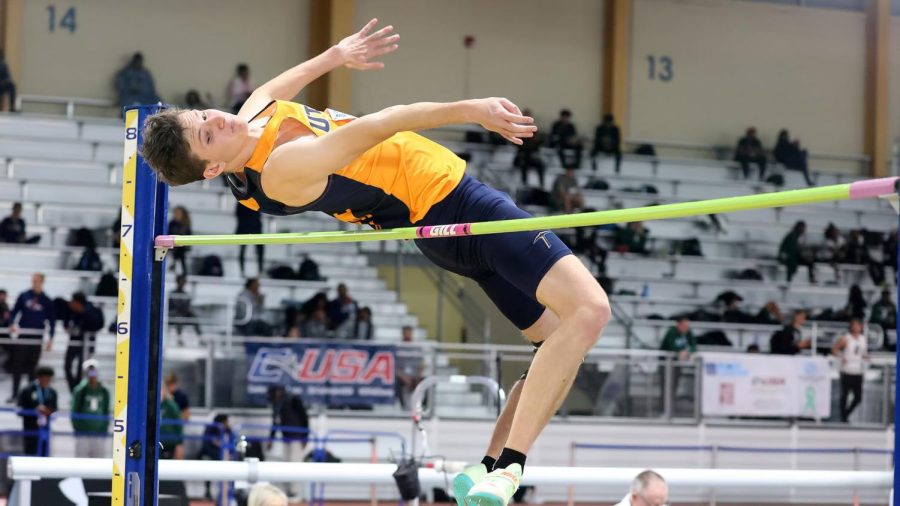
x,y
317,301
134,84
251,311
833,251
749,150
752,348
884,313
171,427
793,252
181,399
856,305
309,270
264,494
770,314
240,87
249,222
852,348
632,238
316,326
681,341
90,398
33,310
180,307
733,312
12,228
607,140
410,369
38,396
789,340
84,321
192,100
180,224
566,196
364,329
647,489
890,252
7,86
342,312
528,156
564,137
789,154
5,345
289,417
214,436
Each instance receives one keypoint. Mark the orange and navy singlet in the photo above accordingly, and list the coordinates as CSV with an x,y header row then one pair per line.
x,y
410,180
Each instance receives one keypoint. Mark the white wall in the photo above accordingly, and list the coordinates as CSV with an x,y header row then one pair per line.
x,y
540,56
742,63
186,44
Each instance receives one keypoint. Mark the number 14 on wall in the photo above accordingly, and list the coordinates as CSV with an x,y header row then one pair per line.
x,y
64,22
660,68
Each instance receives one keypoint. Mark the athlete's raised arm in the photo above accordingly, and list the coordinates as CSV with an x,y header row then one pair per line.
x,y
356,51
309,162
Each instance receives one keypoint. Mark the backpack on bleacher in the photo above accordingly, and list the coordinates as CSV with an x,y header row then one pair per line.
x,y
282,272
691,248
775,179
211,266
89,261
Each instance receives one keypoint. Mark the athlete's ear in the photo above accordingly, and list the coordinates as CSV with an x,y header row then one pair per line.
x,y
213,170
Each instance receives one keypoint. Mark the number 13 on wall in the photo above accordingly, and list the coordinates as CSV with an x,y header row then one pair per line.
x,y
660,68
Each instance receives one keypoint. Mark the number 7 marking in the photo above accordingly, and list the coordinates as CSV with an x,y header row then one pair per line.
x,y
128,227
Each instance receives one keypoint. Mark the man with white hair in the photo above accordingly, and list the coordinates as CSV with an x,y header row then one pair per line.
x,y
264,494
647,489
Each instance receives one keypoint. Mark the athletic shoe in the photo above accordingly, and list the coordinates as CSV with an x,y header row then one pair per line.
x,y
497,488
466,480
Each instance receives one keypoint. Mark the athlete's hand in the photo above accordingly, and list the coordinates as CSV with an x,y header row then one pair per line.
x,y
504,117
356,50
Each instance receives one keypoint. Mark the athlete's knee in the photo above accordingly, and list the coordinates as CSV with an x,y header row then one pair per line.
x,y
592,315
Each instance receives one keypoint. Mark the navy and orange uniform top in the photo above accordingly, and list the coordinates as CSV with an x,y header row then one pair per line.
x,y
393,184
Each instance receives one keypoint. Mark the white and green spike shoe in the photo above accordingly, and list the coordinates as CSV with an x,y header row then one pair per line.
x,y
497,488
465,480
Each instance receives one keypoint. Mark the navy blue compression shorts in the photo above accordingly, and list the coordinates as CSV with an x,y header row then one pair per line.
x,y
508,267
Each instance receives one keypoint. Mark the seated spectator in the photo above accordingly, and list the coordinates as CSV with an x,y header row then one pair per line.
x,y
216,440
342,312
647,489
770,314
364,329
92,400
251,311
409,371
752,348
564,137
793,252
42,398
789,154
264,494
134,84
180,307
7,86
749,150
566,196
833,250
856,306
192,100
12,228
884,313
180,224
890,252
528,156
309,270
607,140
240,87
317,301
632,238
316,326
789,340
733,312
679,339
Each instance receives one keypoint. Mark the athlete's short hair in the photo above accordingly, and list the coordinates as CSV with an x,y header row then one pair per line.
x,y
644,479
263,494
167,150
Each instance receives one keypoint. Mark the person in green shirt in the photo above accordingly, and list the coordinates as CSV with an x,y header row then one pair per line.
x,y
680,340
90,400
171,428
632,238
792,252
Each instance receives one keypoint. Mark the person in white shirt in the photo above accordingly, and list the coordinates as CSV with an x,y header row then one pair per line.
x,y
852,349
240,87
647,489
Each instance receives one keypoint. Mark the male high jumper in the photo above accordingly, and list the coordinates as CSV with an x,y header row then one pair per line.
x,y
282,158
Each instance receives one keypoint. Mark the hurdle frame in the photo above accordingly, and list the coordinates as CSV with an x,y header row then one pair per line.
x,y
139,326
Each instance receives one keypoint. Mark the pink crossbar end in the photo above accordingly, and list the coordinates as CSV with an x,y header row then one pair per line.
x,y
873,188
443,230
165,241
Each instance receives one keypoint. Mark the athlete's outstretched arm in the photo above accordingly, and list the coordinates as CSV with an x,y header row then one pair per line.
x,y
354,51
309,162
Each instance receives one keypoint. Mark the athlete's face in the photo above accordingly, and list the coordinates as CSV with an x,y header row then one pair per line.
x,y
215,136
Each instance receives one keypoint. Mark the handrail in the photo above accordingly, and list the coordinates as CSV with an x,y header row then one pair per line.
x,y
727,147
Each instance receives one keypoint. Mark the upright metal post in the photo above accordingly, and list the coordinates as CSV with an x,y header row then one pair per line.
x,y
896,390
138,325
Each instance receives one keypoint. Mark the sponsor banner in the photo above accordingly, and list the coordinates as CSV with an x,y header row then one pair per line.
x,y
323,373
765,385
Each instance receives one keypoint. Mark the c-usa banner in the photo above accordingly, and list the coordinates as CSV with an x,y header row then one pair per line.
x,y
323,373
